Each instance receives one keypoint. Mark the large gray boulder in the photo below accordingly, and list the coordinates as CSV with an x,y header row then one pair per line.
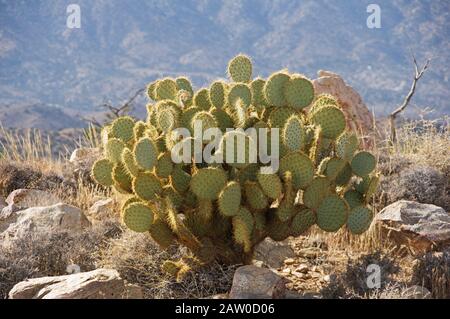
x,y
419,226
59,217
96,284
251,282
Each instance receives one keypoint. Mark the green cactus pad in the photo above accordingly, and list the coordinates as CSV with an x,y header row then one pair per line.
x,y
294,134
346,145
243,224
166,89
270,184
206,119
316,192
323,100
217,93
299,92
332,213
224,120
372,186
122,128
240,155
102,172
359,220
145,153
363,163
334,168
258,98
274,89
201,99
175,198
146,186
300,166
230,199
353,198
138,217
180,179
113,149
362,185
129,162
121,177
255,196
278,230
184,84
240,69
330,119
240,92
207,183
139,129
161,233
279,116
343,178
151,90
302,222
164,166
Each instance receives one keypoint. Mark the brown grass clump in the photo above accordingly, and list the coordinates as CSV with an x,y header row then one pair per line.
x,y
138,259
42,255
432,271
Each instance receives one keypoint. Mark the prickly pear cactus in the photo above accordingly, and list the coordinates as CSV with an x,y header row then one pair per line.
x,y
221,210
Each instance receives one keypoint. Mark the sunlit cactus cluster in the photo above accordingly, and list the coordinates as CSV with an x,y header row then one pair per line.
x,y
220,211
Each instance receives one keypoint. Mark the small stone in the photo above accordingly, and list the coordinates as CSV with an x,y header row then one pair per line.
x,y
286,271
299,275
273,253
326,278
289,261
303,268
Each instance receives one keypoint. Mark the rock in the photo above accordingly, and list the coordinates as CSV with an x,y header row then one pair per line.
x,y
416,292
48,219
96,284
303,268
419,226
2,203
358,116
82,160
25,198
252,282
289,261
101,209
326,278
8,216
273,253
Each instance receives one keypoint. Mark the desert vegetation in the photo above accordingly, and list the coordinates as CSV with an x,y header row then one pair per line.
x,y
328,261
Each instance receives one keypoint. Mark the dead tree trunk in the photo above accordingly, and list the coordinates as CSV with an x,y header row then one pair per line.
x,y
417,75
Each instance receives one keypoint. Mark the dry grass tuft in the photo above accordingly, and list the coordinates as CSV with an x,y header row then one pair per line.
x,y
138,259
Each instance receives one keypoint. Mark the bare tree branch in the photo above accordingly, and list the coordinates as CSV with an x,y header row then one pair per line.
x,y
113,112
417,75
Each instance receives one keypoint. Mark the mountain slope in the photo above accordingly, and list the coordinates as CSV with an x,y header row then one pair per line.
x,y
123,45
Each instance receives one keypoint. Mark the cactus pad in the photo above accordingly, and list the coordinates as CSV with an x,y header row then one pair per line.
x,y
207,183
299,92
332,213
359,220
363,163
230,199
138,217
300,166
102,172
330,119
240,69
146,153
146,186
274,89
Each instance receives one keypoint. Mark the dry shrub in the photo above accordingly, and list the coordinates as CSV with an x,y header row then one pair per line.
x,y
352,283
138,259
41,255
432,271
423,184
